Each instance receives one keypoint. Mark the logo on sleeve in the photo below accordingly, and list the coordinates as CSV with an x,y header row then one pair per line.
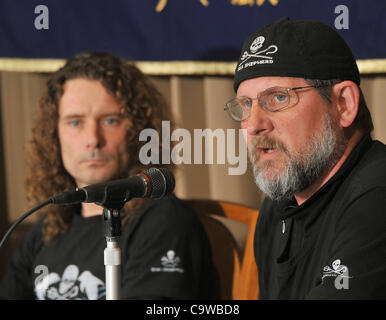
x,y
170,263
256,55
339,272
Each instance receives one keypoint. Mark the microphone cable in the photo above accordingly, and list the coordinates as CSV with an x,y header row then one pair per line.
x,y
15,224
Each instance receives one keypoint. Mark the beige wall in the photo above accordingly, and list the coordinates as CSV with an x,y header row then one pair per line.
x,y
20,94
374,90
196,102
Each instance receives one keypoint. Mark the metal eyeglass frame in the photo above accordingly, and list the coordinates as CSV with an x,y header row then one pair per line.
x,y
285,90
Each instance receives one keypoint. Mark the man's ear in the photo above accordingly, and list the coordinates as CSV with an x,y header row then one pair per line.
x,y
346,99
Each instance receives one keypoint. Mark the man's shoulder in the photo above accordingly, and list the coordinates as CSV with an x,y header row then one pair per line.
x,y
170,205
364,194
170,212
370,172
375,156
35,231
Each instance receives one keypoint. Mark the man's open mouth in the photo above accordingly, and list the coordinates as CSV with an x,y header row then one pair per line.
x,y
268,150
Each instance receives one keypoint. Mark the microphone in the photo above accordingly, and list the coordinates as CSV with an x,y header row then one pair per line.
x,y
153,183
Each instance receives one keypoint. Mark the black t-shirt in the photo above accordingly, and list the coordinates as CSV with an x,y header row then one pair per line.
x,y
165,255
333,246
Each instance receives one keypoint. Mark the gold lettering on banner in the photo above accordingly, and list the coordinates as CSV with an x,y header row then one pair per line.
x,y
252,2
162,4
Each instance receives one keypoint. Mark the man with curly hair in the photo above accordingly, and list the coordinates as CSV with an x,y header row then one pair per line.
x,y
88,132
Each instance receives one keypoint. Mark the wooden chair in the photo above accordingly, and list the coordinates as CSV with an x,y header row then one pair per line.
x,y
230,228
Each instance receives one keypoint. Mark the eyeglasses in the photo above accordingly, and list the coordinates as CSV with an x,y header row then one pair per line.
x,y
272,99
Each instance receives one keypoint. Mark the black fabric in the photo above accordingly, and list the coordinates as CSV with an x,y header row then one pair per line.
x,y
165,255
334,244
303,49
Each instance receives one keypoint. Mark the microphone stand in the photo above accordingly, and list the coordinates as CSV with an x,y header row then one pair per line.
x,y
113,201
112,253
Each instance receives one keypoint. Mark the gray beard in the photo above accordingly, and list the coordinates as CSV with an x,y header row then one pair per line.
x,y
322,152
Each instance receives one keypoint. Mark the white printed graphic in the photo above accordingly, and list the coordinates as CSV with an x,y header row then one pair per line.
x,y
71,286
170,263
340,272
262,55
170,260
257,44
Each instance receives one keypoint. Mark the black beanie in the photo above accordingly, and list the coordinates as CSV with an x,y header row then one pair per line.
x,y
303,49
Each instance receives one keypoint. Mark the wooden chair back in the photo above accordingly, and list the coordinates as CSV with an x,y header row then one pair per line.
x,y
230,228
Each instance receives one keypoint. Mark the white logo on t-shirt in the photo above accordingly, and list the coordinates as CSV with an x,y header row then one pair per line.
x,y
71,286
169,263
340,272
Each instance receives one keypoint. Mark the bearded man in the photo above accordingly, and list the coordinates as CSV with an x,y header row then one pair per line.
x,y
321,229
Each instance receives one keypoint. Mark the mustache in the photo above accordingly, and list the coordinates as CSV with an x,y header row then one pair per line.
x,y
265,142
93,155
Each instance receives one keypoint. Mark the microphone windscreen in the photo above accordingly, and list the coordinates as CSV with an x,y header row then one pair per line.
x,y
162,182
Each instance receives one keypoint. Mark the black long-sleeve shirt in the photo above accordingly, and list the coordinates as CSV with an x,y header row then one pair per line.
x,y
333,246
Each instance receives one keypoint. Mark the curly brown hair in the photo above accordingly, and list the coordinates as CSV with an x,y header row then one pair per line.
x,y
140,102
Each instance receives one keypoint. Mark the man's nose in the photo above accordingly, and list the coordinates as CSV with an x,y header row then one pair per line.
x,y
93,135
259,121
